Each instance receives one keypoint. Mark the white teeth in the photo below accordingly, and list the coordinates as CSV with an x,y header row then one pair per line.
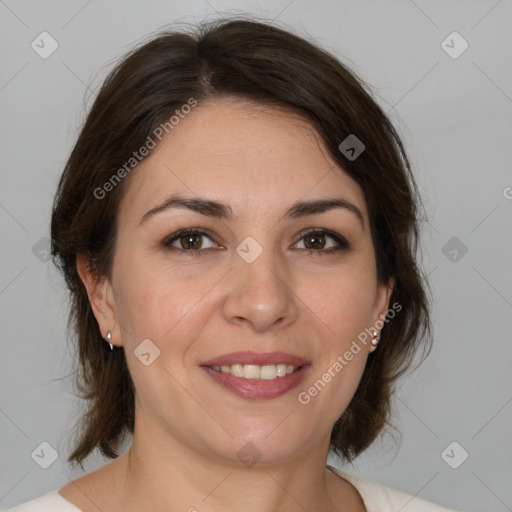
x,y
251,371
237,370
268,372
254,371
281,370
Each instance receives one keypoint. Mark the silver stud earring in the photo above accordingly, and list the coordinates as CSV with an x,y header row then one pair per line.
x,y
375,340
108,338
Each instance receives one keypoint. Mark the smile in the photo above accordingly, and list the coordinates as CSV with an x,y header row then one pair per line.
x,y
257,382
254,371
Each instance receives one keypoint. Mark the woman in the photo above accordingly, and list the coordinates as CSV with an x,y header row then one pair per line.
x,y
237,225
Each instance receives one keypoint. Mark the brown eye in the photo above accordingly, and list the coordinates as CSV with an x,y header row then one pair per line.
x,y
314,241
189,240
322,242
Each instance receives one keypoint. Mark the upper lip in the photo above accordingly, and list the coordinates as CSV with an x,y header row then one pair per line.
x,y
256,358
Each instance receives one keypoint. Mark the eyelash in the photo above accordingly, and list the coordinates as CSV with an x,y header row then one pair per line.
x,y
340,240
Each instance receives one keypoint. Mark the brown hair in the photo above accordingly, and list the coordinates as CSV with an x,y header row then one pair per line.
x,y
268,65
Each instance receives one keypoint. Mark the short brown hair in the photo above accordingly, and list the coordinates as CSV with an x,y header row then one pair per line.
x,y
268,65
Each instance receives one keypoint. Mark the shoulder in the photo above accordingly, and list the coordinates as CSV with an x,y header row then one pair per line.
x,y
52,501
381,498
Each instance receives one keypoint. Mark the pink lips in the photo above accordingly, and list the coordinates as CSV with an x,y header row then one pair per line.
x,y
257,389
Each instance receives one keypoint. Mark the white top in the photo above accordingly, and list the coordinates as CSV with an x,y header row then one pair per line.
x,y
376,497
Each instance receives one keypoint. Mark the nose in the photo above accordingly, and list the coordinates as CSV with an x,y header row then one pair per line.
x,y
260,294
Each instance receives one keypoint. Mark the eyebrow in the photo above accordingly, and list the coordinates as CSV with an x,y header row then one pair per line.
x,y
215,209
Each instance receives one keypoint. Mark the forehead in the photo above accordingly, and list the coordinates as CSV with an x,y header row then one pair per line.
x,y
256,159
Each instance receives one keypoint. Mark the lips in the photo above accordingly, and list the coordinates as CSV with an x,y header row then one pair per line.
x,y
256,358
262,387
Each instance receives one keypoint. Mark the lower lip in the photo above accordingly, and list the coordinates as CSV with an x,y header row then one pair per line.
x,y
258,389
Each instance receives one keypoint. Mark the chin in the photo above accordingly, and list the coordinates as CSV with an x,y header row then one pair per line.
x,y
260,446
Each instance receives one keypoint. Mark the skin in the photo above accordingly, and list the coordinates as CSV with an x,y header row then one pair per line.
x,y
196,307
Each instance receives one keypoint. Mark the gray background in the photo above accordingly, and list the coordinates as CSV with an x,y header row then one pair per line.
x,y
455,118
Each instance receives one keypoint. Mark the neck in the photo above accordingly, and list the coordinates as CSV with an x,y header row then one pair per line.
x,y
174,477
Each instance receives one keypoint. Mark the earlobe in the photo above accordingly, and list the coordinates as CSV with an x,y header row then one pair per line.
x,y
99,291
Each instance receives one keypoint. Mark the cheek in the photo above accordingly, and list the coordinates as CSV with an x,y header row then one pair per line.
x,y
343,301
342,356
164,304
166,309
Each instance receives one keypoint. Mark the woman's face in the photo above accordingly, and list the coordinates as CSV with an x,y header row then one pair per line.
x,y
212,321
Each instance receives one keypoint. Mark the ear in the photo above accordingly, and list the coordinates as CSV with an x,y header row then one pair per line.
x,y
101,298
382,299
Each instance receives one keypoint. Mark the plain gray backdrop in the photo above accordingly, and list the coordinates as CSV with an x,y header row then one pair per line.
x,y
451,104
